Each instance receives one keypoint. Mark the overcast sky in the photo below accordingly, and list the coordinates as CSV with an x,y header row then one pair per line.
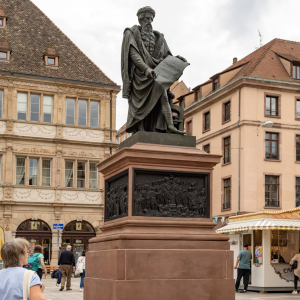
x,y
207,33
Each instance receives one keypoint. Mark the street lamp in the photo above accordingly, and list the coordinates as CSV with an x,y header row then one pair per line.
x,y
267,124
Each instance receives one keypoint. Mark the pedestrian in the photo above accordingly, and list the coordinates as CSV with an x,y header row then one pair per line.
x,y
37,261
81,266
243,268
296,258
14,255
67,266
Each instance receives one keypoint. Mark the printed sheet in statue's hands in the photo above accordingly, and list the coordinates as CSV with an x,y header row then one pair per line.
x,y
169,70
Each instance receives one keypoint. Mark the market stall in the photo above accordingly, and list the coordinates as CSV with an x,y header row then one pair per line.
x,y
273,238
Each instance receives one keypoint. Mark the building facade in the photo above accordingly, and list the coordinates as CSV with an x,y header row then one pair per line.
x,y
250,113
57,121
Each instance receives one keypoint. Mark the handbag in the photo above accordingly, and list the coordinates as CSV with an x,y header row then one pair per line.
x,y
26,284
295,265
79,268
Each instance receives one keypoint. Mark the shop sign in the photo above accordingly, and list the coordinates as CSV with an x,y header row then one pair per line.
x,y
78,226
284,271
1,239
58,226
34,225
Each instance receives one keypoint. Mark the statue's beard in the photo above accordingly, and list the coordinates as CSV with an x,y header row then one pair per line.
x,y
147,28
148,37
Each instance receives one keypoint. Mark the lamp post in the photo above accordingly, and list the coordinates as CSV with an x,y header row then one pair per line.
x,y
267,124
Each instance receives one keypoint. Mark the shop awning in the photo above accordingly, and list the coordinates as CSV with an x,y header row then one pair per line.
x,y
283,224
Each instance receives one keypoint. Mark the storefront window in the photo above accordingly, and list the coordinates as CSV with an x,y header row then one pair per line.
x,y
258,249
284,246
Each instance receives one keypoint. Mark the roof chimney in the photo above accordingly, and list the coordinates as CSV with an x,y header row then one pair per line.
x,y
234,60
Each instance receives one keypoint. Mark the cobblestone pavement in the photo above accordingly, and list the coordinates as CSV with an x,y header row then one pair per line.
x,y
270,296
52,291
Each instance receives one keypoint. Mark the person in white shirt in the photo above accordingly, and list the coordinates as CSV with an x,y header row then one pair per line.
x,y
81,259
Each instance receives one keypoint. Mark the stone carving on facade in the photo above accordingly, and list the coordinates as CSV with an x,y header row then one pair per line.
x,y
9,126
116,201
57,216
80,154
8,192
107,135
37,195
74,133
33,129
76,196
7,224
59,131
34,150
170,196
63,89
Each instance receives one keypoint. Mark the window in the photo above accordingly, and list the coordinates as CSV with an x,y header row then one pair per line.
x,y
123,137
298,109
1,103
216,85
297,147
94,114
189,128
226,111
82,112
257,249
296,72
297,189
22,106
206,120
20,170
47,109
284,245
93,176
271,191
118,140
39,105
46,172
206,148
3,55
1,22
69,173
271,106
33,171
227,193
34,108
272,145
70,111
227,152
51,61
75,174
81,174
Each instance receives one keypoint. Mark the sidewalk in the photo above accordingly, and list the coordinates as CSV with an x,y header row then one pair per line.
x,y
271,296
52,291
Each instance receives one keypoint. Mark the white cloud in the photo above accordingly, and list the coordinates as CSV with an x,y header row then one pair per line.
x,y
207,33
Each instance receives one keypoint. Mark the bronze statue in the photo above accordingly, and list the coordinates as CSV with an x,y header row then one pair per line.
x,y
149,103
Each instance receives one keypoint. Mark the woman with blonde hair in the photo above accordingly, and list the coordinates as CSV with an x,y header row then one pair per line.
x,y
296,258
14,255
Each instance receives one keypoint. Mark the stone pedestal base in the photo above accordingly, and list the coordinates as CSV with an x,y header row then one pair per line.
x,y
159,260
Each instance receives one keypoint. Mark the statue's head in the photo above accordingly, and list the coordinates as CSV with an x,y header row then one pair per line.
x,y
145,15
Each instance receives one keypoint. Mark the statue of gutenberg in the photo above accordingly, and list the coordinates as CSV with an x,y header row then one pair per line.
x,y
149,103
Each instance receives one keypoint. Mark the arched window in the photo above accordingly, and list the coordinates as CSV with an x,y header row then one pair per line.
x,y
37,232
77,234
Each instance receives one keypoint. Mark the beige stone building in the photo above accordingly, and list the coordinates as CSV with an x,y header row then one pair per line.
x,y
57,121
250,114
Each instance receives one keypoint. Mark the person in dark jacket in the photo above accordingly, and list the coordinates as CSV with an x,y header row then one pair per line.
x,y
66,262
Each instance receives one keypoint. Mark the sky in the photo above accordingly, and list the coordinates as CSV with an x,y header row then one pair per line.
x,y
209,34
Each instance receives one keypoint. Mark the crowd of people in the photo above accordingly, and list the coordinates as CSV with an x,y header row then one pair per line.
x,y
21,276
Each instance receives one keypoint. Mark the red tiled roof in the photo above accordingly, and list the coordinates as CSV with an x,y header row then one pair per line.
x,y
264,62
30,33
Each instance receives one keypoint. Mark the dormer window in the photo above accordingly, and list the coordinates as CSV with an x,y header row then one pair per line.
x,y
296,71
216,85
3,55
1,22
51,61
2,18
51,57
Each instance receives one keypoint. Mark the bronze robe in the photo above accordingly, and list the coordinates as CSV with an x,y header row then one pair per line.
x,y
142,93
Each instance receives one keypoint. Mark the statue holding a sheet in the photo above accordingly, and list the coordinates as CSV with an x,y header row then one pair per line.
x,y
148,71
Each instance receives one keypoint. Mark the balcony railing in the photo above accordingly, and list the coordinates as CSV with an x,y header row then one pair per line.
x,y
271,203
226,205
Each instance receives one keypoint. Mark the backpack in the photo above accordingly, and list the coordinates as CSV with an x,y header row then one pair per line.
x,y
34,260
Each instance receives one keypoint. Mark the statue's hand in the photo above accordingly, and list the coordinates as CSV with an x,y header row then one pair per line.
x,y
182,58
150,73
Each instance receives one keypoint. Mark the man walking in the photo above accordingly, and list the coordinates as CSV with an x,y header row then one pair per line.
x,y
243,261
67,265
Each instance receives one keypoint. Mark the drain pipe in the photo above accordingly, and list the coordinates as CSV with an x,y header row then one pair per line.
x,y
239,167
110,121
